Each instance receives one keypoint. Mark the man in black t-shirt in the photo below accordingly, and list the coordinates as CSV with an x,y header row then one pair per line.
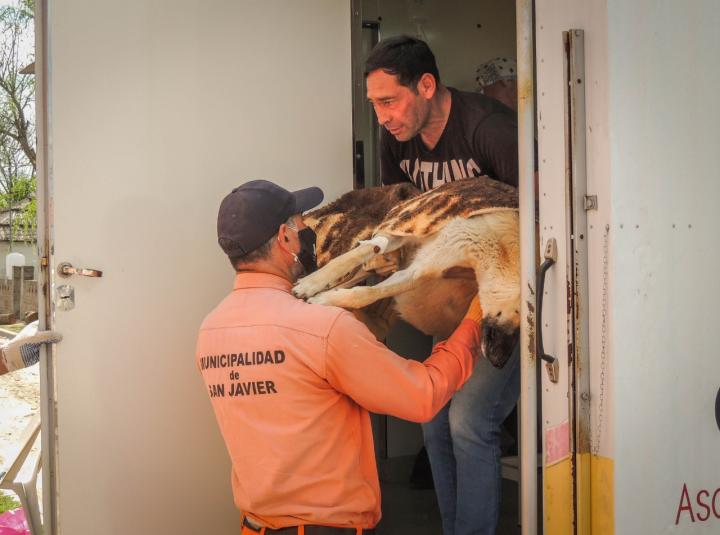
x,y
432,135
435,134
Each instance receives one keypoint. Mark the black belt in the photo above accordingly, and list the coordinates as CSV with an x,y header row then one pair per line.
x,y
310,529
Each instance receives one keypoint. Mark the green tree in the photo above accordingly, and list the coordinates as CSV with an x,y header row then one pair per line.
x,y
17,115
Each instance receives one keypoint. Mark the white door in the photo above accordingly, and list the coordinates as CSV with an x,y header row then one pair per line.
x,y
573,160
155,111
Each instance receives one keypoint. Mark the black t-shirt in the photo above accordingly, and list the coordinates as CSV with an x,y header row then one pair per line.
x,y
480,138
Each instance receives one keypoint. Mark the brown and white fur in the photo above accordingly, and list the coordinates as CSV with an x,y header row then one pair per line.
x,y
469,227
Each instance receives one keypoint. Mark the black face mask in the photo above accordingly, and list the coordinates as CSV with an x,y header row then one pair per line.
x,y
306,256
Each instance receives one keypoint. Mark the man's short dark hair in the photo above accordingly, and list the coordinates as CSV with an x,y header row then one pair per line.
x,y
406,57
261,253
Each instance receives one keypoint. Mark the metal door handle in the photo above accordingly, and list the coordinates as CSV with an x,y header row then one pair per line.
x,y
65,269
551,363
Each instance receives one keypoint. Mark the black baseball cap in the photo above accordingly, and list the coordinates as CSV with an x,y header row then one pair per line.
x,y
252,213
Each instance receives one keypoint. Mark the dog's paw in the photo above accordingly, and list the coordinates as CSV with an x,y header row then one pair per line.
x,y
338,298
309,286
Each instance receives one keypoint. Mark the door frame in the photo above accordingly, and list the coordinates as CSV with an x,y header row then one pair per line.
x,y
48,407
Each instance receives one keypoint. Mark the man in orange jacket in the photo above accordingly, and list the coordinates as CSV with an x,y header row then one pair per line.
x,y
292,383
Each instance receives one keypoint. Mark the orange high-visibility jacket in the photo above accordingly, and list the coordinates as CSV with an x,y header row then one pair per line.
x,y
291,385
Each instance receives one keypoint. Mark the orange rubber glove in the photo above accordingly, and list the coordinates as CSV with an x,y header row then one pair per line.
x,y
474,311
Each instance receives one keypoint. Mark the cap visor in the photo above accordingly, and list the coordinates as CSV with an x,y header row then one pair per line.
x,y
308,198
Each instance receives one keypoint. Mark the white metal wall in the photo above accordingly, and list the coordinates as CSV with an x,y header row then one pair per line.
x,y
653,132
158,109
664,137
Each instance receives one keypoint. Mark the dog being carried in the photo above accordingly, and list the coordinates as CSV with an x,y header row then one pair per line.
x,y
449,243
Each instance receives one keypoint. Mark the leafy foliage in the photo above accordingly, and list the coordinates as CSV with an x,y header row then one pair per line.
x,y
21,199
8,503
17,117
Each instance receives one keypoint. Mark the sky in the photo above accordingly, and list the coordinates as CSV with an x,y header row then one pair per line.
x,y
28,44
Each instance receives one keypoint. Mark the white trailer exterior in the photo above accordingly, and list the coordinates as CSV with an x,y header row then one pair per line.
x,y
635,447
630,432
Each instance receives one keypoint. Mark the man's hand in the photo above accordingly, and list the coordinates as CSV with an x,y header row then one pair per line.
x,y
474,311
23,351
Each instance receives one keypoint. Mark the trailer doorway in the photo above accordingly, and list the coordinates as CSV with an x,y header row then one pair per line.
x,y
121,95
462,34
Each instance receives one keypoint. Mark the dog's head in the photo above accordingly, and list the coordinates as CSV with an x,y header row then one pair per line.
x,y
499,341
501,321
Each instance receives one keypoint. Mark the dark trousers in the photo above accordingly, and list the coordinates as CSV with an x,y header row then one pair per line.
x,y
249,528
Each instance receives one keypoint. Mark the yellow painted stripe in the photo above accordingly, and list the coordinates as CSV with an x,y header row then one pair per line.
x,y
602,495
557,496
583,486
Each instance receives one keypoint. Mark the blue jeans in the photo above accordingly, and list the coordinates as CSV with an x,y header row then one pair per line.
x,y
463,444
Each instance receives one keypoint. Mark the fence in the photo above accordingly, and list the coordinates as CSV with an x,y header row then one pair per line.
x,y
19,295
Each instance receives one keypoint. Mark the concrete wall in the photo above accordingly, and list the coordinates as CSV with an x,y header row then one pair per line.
x,y
28,298
6,296
29,250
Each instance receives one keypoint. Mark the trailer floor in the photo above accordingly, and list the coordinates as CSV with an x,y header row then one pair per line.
x,y
410,511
